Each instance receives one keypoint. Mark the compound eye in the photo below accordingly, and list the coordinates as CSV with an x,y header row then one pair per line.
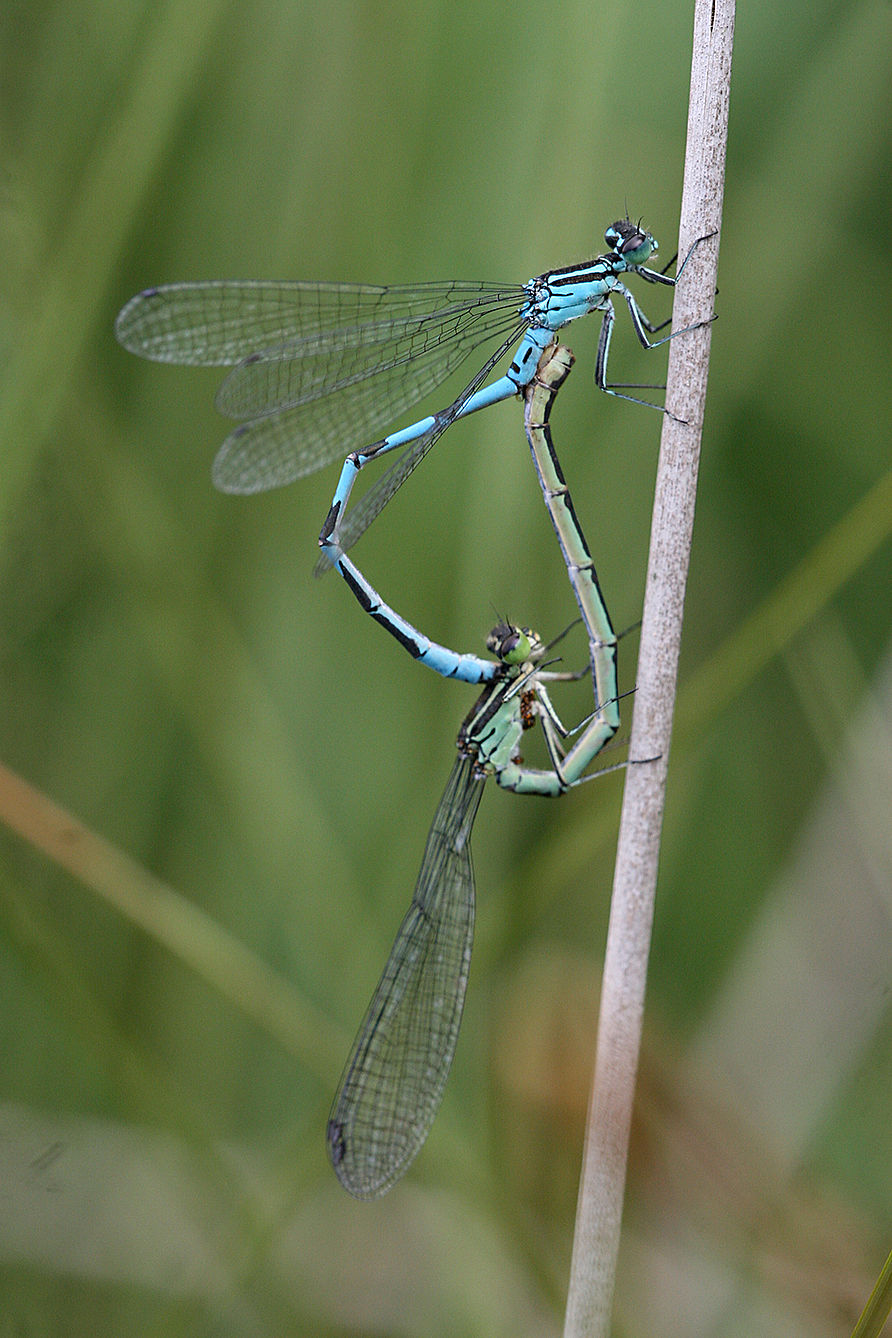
x,y
516,649
509,643
634,241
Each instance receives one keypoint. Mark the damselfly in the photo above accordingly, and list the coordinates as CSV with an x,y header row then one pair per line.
x,y
316,364
393,1083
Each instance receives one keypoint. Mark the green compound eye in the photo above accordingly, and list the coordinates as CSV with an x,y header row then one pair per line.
x,y
521,650
511,644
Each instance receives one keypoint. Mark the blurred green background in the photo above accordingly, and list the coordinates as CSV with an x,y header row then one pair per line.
x,y
174,678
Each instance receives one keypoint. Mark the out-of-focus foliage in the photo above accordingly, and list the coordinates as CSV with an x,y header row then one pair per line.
x,y
172,675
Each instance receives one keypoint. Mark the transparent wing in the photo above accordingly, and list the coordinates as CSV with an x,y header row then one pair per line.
x,y
393,1084
407,326
284,445
359,517
218,322
329,365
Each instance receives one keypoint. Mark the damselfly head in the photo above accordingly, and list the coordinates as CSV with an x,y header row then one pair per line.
x,y
513,645
630,241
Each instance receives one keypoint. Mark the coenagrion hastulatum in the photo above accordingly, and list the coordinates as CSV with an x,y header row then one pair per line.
x,y
315,364
393,1082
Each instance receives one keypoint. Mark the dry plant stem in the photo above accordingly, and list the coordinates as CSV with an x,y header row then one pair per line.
x,y
599,1210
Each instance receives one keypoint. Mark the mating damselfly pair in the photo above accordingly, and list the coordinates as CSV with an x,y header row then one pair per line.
x,y
393,1083
315,366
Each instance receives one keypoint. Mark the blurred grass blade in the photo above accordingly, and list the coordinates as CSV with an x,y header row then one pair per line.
x,y
172,921
879,1304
